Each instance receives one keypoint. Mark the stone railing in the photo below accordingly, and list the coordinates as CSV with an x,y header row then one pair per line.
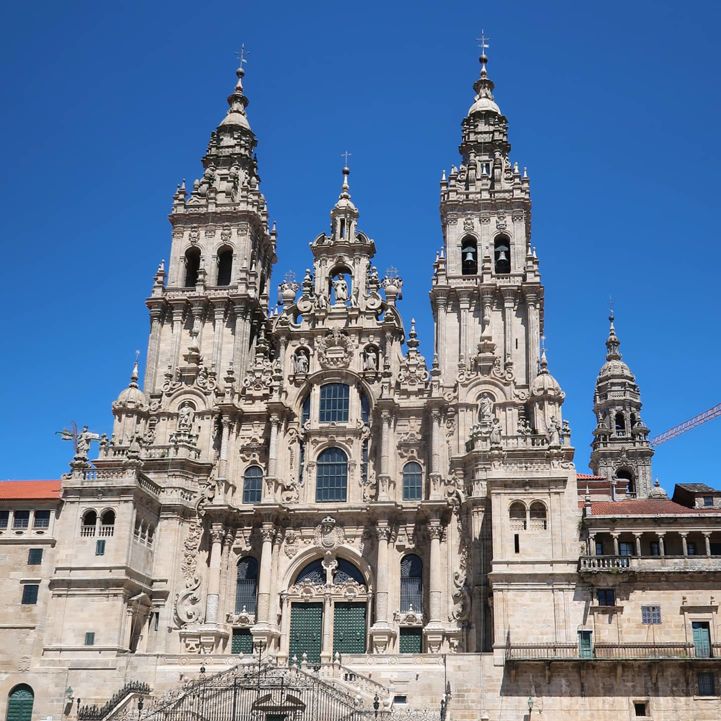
x,y
650,564
609,651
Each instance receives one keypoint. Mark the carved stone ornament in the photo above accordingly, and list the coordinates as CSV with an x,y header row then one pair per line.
x,y
328,534
244,618
188,608
468,224
461,599
411,617
335,349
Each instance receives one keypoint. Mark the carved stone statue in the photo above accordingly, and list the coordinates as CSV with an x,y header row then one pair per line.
x,y
81,440
554,432
524,428
496,432
300,362
185,418
485,409
370,360
341,289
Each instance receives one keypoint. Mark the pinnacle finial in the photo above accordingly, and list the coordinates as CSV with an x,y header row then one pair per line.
x,y
135,372
612,342
483,44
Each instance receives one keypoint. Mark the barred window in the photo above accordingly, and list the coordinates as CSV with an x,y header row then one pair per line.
x,y
706,683
411,583
252,484
412,481
334,400
41,519
331,476
246,585
312,573
651,615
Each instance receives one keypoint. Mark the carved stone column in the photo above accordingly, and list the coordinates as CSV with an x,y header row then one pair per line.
x,y
269,487
707,540
433,631
509,302
151,368
532,341
223,464
435,477
381,633
384,475
212,601
178,313
267,533
218,317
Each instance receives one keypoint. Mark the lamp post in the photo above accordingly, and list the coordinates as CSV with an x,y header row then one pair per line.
x,y
376,705
530,706
140,707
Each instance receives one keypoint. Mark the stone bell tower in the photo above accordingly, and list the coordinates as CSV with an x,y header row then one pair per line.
x,y
620,448
215,297
487,295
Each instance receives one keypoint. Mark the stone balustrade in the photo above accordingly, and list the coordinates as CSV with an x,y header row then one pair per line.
x,y
650,564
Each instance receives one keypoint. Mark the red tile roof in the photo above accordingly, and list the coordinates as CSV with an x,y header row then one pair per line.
x,y
590,477
29,490
644,507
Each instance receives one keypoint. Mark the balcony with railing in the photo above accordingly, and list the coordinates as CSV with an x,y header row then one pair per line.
x,y
613,652
648,564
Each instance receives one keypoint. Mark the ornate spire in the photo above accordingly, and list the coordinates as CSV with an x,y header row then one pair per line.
x,y
612,342
484,85
134,372
344,201
237,101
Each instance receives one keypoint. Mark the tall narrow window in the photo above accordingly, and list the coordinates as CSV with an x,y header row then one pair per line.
x,y
365,408
331,476
469,256
225,266
107,523
412,481
246,585
192,266
252,484
411,583
517,515
90,520
35,556
364,463
334,399
30,594
620,423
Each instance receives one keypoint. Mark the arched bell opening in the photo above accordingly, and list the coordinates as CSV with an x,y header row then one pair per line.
x,y
502,254
625,474
225,265
469,256
192,267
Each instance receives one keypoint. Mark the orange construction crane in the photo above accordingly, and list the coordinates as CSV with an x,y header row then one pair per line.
x,y
708,415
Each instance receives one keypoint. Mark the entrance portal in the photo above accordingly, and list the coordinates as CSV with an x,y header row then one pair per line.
x,y
306,631
349,628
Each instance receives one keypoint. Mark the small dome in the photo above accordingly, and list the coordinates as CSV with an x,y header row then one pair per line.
x,y
484,104
616,368
132,396
544,384
235,118
657,491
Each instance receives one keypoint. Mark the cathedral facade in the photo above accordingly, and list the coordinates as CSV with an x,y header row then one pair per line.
x,y
302,490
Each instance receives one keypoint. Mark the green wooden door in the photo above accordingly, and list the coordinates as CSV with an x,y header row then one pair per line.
x,y
20,704
701,639
306,631
349,628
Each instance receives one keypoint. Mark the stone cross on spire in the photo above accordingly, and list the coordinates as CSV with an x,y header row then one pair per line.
x,y
345,155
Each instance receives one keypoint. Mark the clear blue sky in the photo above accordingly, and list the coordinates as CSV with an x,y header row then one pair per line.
x,y
615,108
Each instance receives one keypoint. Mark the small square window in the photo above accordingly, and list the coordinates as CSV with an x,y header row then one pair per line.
x,y
706,683
21,519
640,708
30,594
90,638
35,556
606,596
651,615
708,501
4,518
41,519
100,548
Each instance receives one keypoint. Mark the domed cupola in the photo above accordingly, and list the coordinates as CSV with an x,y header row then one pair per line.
x,y
620,448
130,411
544,385
546,398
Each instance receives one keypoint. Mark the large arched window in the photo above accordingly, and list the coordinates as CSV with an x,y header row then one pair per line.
x,y
502,254
537,514
331,476
342,572
20,703
225,265
411,583
412,481
517,514
246,585
252,484
469,256
334,403
192,266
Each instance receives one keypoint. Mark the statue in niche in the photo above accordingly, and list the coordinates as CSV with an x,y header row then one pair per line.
x,y
186,415
370,360
354,301
340,286
300,362
524,428
485,409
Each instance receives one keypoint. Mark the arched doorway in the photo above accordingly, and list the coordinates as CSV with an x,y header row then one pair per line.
x,y
328,606
20,703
